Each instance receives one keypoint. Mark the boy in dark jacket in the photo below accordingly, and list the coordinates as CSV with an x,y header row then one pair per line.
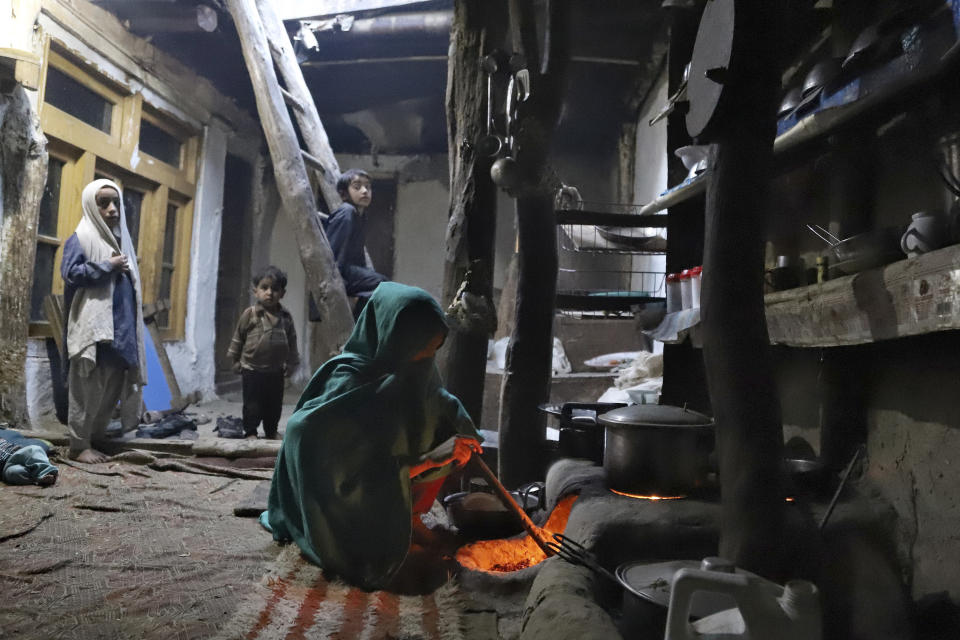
x,y
264,352
345,232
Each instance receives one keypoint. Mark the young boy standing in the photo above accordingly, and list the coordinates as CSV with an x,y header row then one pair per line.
x,y
345,232
264,352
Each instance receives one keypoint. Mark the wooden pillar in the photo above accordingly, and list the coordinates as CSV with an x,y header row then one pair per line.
x,y
23,171
526,380
736,347
473,200
323,277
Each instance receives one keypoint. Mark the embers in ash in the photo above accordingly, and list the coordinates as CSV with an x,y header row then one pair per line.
x,y
639,497
505,555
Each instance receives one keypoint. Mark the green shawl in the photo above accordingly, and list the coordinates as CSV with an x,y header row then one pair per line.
x,y
341,485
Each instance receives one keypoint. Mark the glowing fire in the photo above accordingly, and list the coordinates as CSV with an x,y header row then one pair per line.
x,y
516,553
634,495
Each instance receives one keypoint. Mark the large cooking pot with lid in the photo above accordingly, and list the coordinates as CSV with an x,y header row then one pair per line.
x,y
656,449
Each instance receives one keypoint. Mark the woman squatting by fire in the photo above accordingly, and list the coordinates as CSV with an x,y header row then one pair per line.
x,y
371,440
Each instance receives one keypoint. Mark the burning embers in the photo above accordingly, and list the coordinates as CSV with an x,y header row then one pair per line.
x,y
516,553
639,497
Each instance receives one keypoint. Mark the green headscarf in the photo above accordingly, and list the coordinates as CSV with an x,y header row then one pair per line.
x,y
341,486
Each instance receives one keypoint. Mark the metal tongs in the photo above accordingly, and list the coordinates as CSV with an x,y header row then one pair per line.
x,y
824,235
575,553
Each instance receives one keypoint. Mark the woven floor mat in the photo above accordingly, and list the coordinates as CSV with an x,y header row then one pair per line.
x,y
295,602
134,553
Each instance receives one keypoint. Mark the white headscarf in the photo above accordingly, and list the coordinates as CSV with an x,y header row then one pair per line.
x,y
91,311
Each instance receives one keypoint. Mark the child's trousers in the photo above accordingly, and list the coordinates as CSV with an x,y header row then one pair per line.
x,y
93,399
262,400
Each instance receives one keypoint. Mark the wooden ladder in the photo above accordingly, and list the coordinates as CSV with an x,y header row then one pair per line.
x,y
265,44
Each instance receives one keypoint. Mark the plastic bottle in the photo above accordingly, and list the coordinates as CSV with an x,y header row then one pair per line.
x,y
674,301
765,610
696,278
686,289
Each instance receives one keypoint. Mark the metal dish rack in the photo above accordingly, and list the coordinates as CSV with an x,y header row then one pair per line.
x,y
608,257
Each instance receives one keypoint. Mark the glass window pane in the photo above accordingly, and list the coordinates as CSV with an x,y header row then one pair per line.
x,y
170,234
159,143
132,205
50,202
42,280
68,95
166,283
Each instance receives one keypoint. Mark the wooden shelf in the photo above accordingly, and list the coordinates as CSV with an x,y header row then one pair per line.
x,y
872,94
684,191
907,298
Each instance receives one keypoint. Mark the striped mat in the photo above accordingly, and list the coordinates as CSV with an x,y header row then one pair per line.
x,y
295,602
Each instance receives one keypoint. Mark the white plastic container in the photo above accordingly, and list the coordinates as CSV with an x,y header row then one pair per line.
x,y
674,295
696,277
686,289
765,610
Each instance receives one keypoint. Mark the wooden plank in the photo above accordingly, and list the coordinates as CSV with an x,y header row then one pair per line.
x,y
311,128
322,275
150,312
53,310
291,100
907,298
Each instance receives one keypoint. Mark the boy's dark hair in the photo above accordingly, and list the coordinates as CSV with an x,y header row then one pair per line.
x,y
270,271
343,182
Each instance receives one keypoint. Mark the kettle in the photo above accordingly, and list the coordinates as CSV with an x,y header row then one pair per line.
x,y
764,611
927,231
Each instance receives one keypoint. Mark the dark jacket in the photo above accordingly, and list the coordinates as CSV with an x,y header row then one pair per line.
x,y
345,232
265,341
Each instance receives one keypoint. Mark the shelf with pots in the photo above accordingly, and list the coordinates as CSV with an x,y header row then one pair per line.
x,y
931,53
910,297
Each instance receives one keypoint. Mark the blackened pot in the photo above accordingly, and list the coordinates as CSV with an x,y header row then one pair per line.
x,y
656,449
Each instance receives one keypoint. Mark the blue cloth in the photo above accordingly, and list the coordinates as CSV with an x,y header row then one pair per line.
x,y
78,272
345,232
27,465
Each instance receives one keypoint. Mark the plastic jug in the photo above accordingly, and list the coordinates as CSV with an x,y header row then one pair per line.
x,y
765,610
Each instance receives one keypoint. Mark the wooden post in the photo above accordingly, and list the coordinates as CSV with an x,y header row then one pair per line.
x,y
23,173
736,347
526,380
473,200
323,278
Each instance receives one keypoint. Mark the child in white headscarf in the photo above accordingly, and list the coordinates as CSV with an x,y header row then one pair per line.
x,y
104,326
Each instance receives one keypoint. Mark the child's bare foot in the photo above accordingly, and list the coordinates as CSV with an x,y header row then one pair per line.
x,y
47,480
90,456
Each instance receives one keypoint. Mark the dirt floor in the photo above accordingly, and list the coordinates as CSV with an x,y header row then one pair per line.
x,y
121,550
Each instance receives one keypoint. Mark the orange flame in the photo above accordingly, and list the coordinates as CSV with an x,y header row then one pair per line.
x,y
634,495
515,553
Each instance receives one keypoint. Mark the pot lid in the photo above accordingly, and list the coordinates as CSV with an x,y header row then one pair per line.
x,y
654,415
652,582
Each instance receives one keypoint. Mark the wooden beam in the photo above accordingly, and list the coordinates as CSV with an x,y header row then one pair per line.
x,y
323,277
291,100
736,351
301,9
526,380
471,226
311,127
23,173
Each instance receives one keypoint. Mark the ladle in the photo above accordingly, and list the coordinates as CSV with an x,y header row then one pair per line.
x,y
538,535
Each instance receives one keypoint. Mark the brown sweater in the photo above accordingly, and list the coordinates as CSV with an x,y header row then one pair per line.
x,y
265,341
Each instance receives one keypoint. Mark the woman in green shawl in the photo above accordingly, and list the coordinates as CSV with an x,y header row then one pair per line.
x,y
359,456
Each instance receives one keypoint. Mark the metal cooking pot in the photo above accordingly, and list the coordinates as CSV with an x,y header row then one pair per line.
x,y
480,515
646,594
656,449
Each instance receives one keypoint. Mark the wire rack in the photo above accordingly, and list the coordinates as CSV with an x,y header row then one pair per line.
x,y
613,264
